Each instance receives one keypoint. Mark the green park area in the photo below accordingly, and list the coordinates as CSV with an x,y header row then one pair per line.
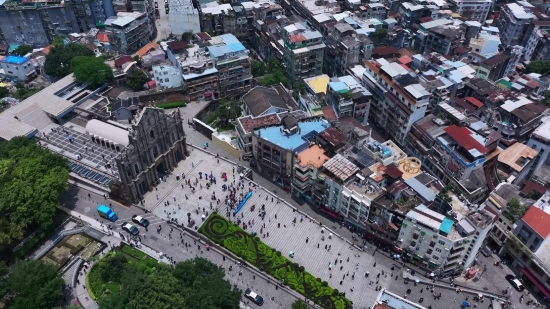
x,y
128,278
251,249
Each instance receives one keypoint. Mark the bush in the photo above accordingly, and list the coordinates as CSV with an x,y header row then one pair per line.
x,y
241,243
171,105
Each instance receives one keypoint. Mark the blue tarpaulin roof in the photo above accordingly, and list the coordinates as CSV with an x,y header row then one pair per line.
x,y
15,59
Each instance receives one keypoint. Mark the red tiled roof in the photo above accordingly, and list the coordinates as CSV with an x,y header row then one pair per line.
x,y
405,60
122,60
462,104
474,101
452,167
538,220
328,112
152,84
250,124
464,138
333,136
204,35
384,51
297,38
393,171
397,187
102,38
46,50
532,186
425,19
461,50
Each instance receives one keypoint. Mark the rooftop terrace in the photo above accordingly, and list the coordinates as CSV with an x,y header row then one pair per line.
x,y
275,135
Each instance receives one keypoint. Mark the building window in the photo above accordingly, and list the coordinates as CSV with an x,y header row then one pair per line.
x,y
152,134
441,242
435,257
438,250
136,168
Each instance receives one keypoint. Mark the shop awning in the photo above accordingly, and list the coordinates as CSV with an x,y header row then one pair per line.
x,y
417,257
535,281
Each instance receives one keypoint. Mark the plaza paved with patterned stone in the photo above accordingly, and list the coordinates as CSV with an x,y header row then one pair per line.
x,y
349,264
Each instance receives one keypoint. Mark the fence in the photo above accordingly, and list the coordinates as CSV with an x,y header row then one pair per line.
x,y
88,230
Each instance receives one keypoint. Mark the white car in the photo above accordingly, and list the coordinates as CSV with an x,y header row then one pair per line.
x,y
257,299
130,228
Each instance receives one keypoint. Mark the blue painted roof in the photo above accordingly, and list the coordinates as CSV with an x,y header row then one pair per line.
x,y
338,86
275,136
15,59
232,45
446,225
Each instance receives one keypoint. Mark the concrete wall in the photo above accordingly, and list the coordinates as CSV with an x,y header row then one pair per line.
x,y
226,146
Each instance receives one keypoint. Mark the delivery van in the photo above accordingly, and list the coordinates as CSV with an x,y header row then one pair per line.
x,y
107,213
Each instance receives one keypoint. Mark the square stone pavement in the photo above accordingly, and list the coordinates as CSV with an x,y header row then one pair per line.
x,y
288,237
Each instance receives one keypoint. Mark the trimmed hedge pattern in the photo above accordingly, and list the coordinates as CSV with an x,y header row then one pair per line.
x,y
232,237
171,105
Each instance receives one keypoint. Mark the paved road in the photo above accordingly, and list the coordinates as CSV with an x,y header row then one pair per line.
x,y
172,246
163,24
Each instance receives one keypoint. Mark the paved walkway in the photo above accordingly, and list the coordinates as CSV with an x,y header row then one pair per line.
x,y
176,200
173,248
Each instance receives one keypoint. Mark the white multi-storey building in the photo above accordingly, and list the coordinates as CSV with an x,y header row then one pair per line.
x,y
183,17
399,100
474,10
443,244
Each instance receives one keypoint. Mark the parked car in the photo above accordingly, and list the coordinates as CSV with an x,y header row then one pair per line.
x,y
130,228
140,220
515,283
257,299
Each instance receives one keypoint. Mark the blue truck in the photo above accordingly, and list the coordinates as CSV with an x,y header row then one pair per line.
x,y
107,213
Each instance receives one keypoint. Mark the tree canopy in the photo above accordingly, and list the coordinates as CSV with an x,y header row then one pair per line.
x,y
275,73
30,284
299,88
91,70
192,284
31,180
136,80
22,50
258,68
514,210
299,304
58,61
539,66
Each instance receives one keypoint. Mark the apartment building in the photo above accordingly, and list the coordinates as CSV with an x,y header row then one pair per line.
x,y
517,117
527,251
17,68
513,22
458,157
348,97
128,32
218,19
233,65
345,48
274,147
306,180
441,36
421,139
540,141
493,68
183,17
398,98
443,243
196,67
473,10
410,13
38,25
167,76
303,52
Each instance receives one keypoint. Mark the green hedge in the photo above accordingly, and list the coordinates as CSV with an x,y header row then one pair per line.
x,y
171,104
250,248
93,270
